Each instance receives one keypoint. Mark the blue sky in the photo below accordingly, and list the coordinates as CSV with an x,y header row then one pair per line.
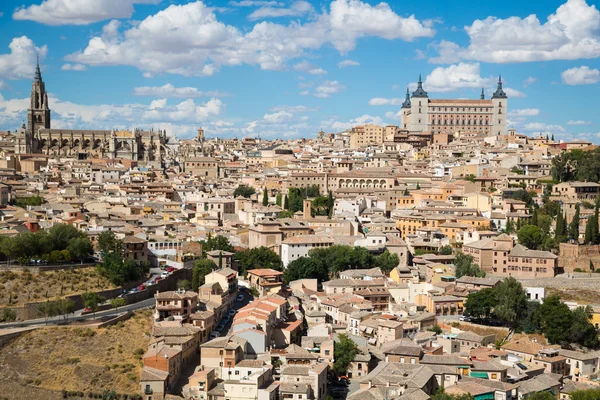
x,y
285,69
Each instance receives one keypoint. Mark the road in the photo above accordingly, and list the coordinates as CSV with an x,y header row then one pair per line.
x,y
78,317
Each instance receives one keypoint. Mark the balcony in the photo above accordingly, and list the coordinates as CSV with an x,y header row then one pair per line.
x,y
148,390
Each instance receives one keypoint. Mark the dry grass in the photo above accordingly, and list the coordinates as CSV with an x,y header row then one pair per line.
x,y
483,330
22,287
80,359
580,296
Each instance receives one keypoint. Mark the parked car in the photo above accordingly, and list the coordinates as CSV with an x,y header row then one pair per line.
x,y
240,298
214,335
141,287
158,278
170,269
232,313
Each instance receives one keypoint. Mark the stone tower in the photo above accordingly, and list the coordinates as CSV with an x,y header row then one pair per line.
x,y
419,113
38,115
406,110
500,104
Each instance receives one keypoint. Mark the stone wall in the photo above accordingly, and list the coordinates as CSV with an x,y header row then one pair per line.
x,y
573,256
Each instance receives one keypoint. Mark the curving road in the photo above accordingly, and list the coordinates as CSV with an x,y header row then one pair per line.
x,y
78,317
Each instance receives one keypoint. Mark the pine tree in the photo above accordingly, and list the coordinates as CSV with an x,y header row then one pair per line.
x,y
574,225
553,137
265,201
534,217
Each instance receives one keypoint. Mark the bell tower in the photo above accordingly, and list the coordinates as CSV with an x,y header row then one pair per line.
x,y
38,115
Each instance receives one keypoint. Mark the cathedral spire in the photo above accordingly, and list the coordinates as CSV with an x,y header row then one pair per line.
x,y
38,74
499,93
482,94
406,103
419,92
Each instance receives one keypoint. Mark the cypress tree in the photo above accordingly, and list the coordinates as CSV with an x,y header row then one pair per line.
x,y
558,229
278,199
509,225
418,186
574,225
220,259
330,204
534,217
595,229
588,237
265,201
518,224
285,203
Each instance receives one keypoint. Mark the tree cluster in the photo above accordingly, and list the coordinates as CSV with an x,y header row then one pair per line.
x,y
296,196
60,243
24,202
343,353
119,270
202,267
58,307
216,243
327,262
244,191
258,257
464,266
508,303
577,165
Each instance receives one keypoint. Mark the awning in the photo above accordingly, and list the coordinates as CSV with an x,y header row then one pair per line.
x,y
369,330
372,341
478,374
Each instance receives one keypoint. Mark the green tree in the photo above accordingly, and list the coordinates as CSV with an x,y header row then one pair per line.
x,y
119,271
387,261
80,248
555,320
118,302
218,242
344,352
305,268
574,225
582,331
244,191
509,225
534,217
330,204
220,259
64,307
259,257
108,242
278,199
48,309
92,300
480,304
511,301
445,250
201,268
184,284
560,228
435,329
265,200
285,203
60,235
530,236
589,394
544,395
465,267
8,315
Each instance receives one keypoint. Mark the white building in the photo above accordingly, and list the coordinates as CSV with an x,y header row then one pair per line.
x,y
298,246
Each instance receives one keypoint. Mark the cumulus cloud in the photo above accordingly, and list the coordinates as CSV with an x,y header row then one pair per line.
x,y
299,109
348,63
255,3
540,126
73,67
581,76
570,33
309,68
530,80
78,12
524,112
382,101
514,93
20,62
458,76
169,90
579,122
327,88
199,44
296,9
338,126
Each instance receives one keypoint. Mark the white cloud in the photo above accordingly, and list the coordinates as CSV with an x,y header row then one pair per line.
x,y
338,126
570,33
73,67
382,101
530,80
458,76
255,3
20,62
305,66
296,9
348,63
540,126
169,90
78,12
327,88
581,76
278,117
514,93
199,44
294,109
579,122
524,112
